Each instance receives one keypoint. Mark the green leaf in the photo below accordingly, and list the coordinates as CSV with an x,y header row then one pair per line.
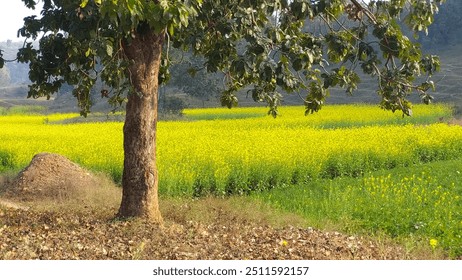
x,y
109,50
171,30
83,4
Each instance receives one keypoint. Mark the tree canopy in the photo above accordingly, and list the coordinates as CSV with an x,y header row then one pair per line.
x,y
273,45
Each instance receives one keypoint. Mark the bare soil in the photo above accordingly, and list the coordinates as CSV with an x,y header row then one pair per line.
x,y
56,210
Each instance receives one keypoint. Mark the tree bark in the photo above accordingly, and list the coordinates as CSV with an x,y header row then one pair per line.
x,y
140,179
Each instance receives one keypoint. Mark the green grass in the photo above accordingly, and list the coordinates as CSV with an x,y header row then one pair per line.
x,y
211,114
6,161
417,205
23,110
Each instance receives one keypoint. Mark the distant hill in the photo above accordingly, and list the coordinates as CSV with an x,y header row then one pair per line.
x,y
446,30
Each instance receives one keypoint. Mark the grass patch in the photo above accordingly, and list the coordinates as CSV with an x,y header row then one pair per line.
x,y
418,205
238,209
23,110
211,114
7,161
93,118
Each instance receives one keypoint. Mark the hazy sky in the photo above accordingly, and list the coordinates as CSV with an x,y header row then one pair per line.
x,y
12,13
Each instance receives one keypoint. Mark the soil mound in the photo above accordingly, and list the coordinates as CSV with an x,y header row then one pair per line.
x,y
49,176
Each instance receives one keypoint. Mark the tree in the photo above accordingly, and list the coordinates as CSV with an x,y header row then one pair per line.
x,y
189,75
130,39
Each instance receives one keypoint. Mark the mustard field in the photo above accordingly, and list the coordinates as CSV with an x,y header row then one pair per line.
x,y
223,151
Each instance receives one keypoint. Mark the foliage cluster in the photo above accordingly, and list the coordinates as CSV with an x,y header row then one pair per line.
x,y
264,44
171,105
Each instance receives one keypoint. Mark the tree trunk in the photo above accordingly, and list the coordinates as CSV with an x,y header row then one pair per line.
x,y
140,179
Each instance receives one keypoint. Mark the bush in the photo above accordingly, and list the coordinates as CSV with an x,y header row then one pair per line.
x,y
6,160
171,105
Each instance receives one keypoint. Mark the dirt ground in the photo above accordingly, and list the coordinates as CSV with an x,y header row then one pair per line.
x,y
55,210
60,235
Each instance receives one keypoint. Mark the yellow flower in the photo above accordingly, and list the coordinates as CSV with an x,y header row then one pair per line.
x,y
284,243
433,243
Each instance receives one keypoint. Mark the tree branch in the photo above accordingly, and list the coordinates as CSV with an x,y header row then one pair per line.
x,y
366,11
